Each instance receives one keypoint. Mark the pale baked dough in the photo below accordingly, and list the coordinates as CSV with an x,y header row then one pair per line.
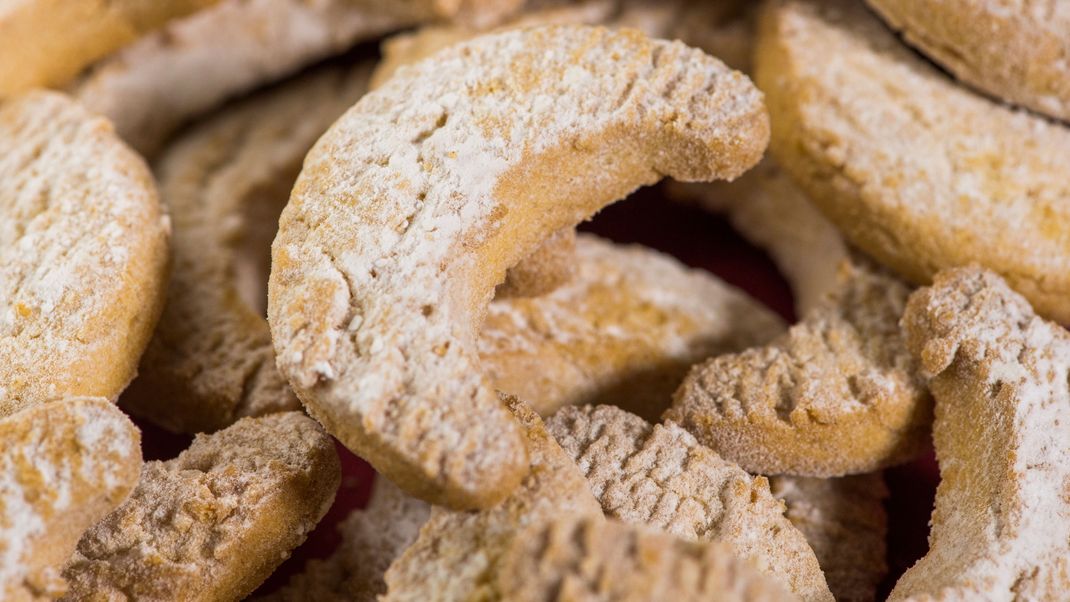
x,y
63,467
83,254
660,476
917,171
213,523
1001,378
374,306
1017,51
837,394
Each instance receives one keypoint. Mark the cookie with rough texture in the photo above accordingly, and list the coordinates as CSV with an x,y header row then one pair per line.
x,y
1019,52
83,254
371,539
194,64
46,42
625,330
837,394
213,523
458,554
549,266
767,208
844,521
63,466
374,306
210,361
578,559
1001,524
661,476
917,171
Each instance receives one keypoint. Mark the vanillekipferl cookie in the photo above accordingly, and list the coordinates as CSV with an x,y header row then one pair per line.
x,y
918,171
1019,52
63,467
374,306
83,254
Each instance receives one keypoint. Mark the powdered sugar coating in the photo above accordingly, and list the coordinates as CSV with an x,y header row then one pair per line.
x,y
63,466
83,250
410,209
1001,378
662,477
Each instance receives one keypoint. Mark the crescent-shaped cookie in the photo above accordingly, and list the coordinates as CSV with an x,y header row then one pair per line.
x,y
580,559
458,554
210,360
625,329
1014,51
837,394
410,209
63,467
213,523
659,475
83,254
917,171
1001,378
46,42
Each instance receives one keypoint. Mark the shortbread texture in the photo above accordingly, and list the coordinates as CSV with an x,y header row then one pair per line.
x,y
1000,376
458,554
837,394
844,521
372,538
63,467
660,476
624,330
213,523
47,42
580,559
1016,51
210,360
918,171
83,254
410,209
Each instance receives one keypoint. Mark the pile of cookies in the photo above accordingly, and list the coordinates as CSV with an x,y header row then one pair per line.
x,y
279,225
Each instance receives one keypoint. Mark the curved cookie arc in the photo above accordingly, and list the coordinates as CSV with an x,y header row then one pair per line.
x,y
470,164
83,254
837,394
213,523
63,467
1000,376
662,477
917,171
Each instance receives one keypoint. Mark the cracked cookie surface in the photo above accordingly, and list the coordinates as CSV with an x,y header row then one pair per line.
x,y
83,254
659,475
374,306
1001,378
837,394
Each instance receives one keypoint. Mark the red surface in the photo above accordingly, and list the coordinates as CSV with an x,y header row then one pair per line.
x,y
700,240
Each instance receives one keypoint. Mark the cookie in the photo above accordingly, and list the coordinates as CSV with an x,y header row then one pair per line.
x,y
45,42
374,306
579,559
63,466
1019,53
193,65
662,477
1000,527
210,361
83,254
837,394
213,523
770,211
624,330
458,554
844,522
916,171
371,539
